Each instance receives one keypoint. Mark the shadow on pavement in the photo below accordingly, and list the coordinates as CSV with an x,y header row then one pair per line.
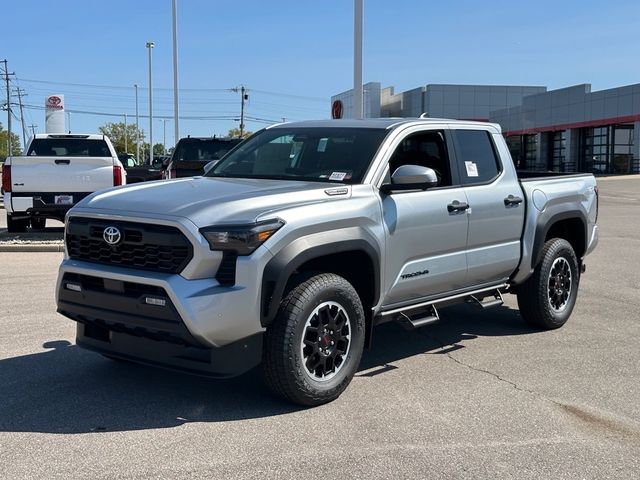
x,y
68,390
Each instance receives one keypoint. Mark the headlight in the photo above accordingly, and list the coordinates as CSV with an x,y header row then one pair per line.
x,y
242,239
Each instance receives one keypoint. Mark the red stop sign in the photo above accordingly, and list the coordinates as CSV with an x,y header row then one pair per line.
x,y
336,109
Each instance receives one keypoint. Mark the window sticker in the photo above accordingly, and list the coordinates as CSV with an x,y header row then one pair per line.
x,y
339,176
322,144
472,169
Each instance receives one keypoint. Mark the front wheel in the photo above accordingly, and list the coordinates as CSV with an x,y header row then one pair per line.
x,y
547,298
314,345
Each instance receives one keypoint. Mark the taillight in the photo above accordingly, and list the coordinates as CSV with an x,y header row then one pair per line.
x,y
172,174
6,178
117,176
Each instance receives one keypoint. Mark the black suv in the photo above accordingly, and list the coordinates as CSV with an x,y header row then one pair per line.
x,y
193,153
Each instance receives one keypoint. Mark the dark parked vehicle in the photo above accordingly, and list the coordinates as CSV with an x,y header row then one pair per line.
x,y
193,153
141,172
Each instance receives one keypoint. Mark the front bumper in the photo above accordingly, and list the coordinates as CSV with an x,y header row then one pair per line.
x,y
197,325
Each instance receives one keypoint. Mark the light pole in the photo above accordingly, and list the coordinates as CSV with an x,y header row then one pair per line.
x,y
357,59
164,134
150,45
69,120
175,70
126,143
135,85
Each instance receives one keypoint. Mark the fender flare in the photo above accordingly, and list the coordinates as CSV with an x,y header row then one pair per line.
x,y
543,229
279,269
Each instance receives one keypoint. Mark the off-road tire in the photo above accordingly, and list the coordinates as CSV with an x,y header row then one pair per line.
x,y
284,365
534,297
16,225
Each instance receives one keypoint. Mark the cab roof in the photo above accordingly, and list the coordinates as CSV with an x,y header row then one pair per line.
x,y
382,123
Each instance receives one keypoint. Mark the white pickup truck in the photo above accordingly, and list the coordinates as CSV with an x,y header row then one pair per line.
x,y
56,173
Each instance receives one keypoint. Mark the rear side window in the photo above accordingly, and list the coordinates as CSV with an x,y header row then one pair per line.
x,y
68,147
476,155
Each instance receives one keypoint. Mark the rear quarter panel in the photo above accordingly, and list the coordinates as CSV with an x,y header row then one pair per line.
x,y
552,199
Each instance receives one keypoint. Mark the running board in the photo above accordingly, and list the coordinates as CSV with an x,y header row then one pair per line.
x,y
493,301
416,320
457,297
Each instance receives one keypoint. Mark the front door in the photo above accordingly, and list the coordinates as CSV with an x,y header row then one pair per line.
x,y
426,239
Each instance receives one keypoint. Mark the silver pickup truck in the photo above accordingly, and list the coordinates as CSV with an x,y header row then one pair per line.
x,y
289,250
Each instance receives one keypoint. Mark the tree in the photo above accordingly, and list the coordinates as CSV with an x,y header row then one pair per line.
x,y
116,133
16,149
158,150
235,133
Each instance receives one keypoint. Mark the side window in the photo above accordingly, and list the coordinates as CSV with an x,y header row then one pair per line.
x,y
476,155
427,149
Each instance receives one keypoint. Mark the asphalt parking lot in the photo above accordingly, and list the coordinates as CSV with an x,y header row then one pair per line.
x,y
479,395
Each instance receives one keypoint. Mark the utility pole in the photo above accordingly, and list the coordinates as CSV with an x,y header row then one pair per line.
x,y
6,79
20,93
33,129
243,98
126,144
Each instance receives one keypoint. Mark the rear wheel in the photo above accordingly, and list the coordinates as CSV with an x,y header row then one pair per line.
x,y
38,223
314,345
16,225
547,298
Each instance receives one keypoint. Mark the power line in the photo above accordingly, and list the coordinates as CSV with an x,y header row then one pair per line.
x,y
127,88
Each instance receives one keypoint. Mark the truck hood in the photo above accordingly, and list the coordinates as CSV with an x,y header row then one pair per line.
x,y
207,200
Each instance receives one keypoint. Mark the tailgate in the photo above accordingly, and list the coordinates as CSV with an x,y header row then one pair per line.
x,y
61,174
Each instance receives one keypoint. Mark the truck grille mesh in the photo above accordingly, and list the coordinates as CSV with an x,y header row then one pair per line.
x,y
144,246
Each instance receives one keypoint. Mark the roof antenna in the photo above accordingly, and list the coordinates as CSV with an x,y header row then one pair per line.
x,y
424,115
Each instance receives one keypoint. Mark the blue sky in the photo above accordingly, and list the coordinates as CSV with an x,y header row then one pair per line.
x,y
293,55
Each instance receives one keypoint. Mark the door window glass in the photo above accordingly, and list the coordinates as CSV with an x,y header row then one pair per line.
x,y
476,156
426,149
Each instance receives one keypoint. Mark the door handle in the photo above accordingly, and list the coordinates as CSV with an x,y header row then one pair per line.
x,y
512,200
62,162
457,206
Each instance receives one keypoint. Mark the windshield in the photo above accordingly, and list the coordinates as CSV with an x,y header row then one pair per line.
x,y
68,147
194,150
316,154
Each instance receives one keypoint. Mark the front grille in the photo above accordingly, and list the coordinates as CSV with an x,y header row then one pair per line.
x,y
157,248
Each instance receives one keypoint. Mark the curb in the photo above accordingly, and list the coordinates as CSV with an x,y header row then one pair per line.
x,y
32,248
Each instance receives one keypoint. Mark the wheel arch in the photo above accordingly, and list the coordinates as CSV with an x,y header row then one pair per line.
x,y
570,225
337,255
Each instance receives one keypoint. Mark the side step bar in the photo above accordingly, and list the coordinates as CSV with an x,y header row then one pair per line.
x,y
419,319
487,302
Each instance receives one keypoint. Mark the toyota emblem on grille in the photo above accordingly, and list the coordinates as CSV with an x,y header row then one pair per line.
x,y
112,235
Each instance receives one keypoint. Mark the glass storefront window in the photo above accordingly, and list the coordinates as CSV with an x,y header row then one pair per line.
x,y
607,149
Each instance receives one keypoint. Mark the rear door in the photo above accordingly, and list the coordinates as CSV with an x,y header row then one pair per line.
x,y
496,217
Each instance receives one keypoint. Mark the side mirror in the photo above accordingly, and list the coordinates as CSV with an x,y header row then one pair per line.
x,y
210,166
411,177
